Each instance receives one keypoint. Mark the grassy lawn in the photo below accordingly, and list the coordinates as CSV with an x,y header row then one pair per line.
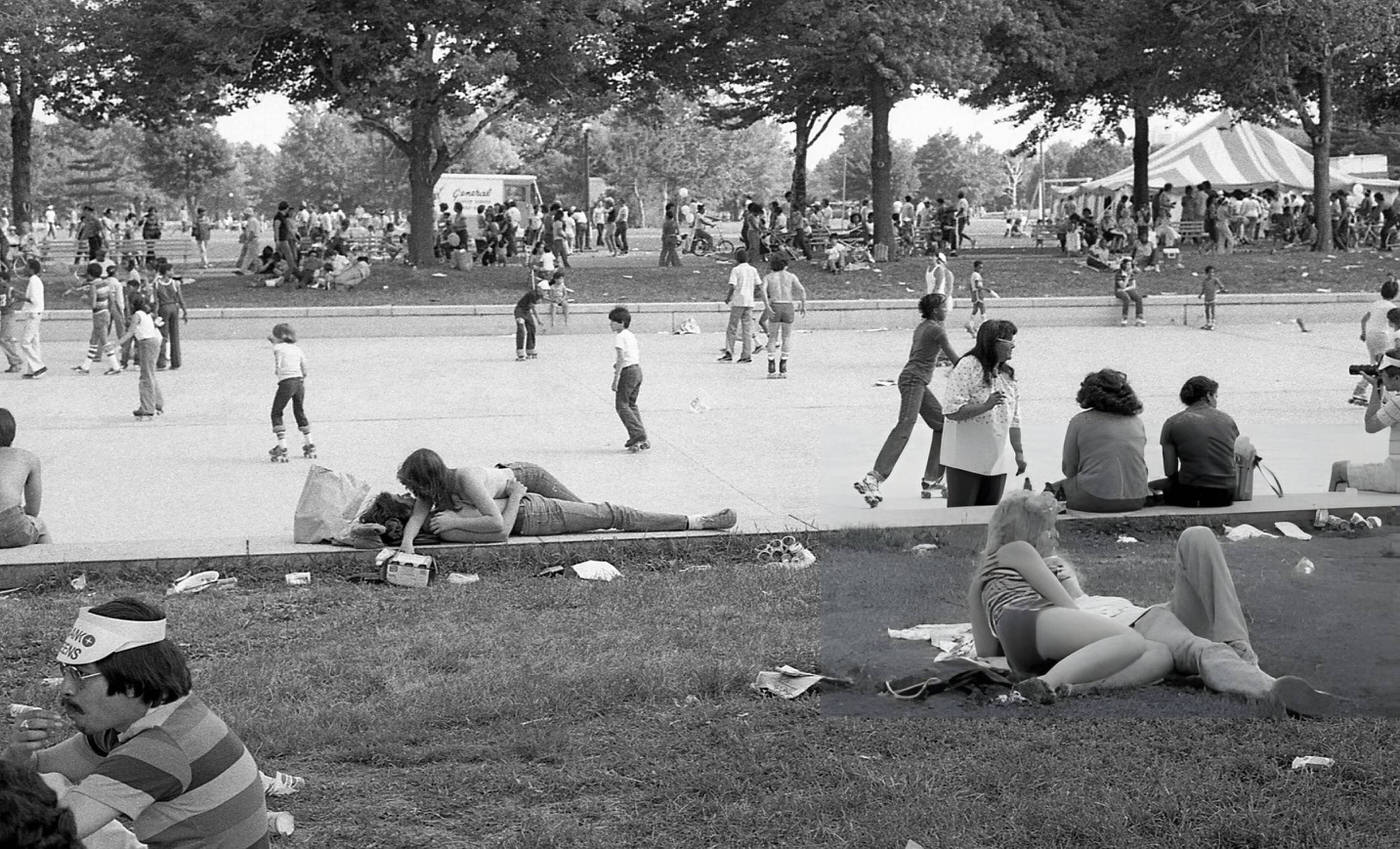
x,y
538,712
599,278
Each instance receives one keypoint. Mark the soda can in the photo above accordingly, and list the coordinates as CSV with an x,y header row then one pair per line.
x,y
298,579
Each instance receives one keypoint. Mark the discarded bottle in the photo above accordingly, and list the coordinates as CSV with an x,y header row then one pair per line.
x,y
1304,567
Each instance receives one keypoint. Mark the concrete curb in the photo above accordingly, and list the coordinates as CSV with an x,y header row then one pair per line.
x,y
169,559
494,319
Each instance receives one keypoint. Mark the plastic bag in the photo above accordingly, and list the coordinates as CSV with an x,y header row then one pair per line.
x,y
329,504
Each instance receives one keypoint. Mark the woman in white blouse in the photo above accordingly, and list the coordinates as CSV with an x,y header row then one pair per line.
x,y
982,413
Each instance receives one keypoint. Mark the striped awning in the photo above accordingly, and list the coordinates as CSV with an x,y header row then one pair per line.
x,y
1231,154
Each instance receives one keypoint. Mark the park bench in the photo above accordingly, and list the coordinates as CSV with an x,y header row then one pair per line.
x,y
178,249
1193,232
818,240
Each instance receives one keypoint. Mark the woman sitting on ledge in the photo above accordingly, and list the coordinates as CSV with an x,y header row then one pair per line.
x,y
481,504
1103,455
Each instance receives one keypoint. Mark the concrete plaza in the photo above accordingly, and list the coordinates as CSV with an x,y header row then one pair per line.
x,y
782,453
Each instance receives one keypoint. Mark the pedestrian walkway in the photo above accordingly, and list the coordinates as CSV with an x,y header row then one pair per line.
x,y
782,453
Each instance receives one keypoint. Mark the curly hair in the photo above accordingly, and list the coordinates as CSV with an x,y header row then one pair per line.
x,y
930,302
1107,391
29,812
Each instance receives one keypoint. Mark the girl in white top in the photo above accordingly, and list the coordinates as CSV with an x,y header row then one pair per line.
x,y
148,340
289,364
982,413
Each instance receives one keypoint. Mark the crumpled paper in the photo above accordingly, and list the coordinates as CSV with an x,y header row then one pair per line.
x,y
596,570
1244,532
789,683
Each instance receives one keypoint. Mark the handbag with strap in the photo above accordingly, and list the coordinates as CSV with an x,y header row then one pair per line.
x,y
1246,461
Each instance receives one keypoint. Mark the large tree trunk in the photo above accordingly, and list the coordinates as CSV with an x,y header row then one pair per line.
x,y
804,122
1141,148
22,168
1321,137
881,102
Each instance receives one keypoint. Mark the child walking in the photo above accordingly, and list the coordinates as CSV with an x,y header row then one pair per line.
x,y
977,289
558,296
143,331
526,321
627,378
290,366
1209,287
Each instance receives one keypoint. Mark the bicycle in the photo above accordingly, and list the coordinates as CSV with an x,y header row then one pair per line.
x,y
703,244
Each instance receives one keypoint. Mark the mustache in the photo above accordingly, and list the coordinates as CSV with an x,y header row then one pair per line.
x,y
69,706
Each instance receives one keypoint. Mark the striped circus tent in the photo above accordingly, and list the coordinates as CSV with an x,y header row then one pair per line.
x,y
1231,154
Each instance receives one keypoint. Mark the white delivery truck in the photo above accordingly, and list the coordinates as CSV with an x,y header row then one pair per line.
x,y
473,190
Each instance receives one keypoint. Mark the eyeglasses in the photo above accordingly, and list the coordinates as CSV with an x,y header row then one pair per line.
x,y
72,674
1006,340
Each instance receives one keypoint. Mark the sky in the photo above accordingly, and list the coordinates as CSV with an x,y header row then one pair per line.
x,y
916,120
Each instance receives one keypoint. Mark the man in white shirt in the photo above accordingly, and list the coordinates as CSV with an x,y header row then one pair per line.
x,y
743,279
31,312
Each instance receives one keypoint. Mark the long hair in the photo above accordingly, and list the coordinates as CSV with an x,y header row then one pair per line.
x,y
1107,390
157,673
985,348
426,476
1022,515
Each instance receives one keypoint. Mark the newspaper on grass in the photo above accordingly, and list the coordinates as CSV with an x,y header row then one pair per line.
x,y
1238,533
789,683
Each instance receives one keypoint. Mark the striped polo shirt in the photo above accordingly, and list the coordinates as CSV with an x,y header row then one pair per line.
x,y
185,780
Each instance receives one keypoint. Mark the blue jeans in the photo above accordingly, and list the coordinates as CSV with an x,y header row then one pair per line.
x,y
543,516
288,389
629,383
539,481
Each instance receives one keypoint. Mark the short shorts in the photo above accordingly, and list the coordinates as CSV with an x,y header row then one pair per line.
x,y
1015,629
1375,477
17,528
783,313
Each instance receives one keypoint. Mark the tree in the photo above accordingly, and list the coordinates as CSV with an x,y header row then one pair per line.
x,y
34,38
882,48
182,161
947,165
846,173
1305,58
1056,58
1097,158
415,72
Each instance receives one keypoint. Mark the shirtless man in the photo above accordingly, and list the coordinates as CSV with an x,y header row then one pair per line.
x,y
21,491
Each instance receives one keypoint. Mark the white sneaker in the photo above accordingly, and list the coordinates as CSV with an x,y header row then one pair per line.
x,y
1142,322
1123,323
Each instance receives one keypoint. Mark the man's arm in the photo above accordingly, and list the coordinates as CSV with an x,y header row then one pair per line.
x,y
33,489
88,814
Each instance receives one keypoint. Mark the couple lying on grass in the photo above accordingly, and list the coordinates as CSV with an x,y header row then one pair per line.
x,y
1025,601
489,504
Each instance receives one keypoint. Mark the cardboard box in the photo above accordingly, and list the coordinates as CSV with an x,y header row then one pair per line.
x,y
405,570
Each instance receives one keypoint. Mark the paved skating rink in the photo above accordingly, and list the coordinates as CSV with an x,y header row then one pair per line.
x,y
781,452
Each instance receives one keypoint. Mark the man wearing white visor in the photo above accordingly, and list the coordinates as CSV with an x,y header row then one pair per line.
x,y
146,748
1382,412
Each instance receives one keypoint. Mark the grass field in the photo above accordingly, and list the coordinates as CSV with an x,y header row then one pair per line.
x,y
635,278
538,712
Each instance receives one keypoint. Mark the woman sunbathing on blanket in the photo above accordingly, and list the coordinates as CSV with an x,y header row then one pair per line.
x,y
1022,596
481,504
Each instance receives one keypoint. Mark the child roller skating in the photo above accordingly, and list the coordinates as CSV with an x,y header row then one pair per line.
x,y
290,366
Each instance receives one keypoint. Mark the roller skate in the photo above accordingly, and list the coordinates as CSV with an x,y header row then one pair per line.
x,y
869,487
278,453
308,451
932,489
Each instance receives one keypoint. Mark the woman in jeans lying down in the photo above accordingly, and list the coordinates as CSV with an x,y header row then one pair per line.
x,y
489,504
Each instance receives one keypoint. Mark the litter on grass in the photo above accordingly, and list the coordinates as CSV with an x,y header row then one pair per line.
x,y
198,582
297,579
1126,538
923,549
697,567
1304,567
1312,761
1292,531
281,824
550,571
789,683
435,274
596,570
462,578
79,583
282,784
1243,532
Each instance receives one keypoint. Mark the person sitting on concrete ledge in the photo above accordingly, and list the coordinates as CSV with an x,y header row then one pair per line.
x,y
1198,450
1103,452
480,504
21,491
1382,412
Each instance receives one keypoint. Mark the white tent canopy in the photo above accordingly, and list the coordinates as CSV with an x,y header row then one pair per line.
x,y
1231,154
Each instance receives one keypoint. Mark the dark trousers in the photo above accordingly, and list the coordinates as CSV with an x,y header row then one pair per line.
x,y
969,489
915,402
622,237
289,389
170,336
525,333
629,383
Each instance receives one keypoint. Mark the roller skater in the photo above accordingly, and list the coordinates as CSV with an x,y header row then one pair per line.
x,y
290,366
